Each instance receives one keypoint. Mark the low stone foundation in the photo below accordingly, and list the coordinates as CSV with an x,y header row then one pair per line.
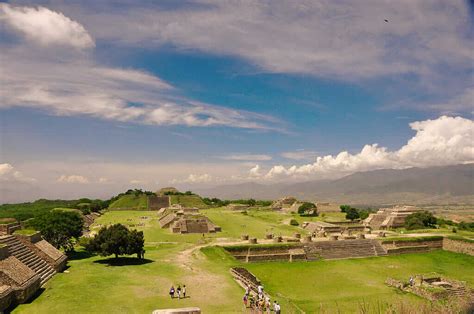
x,y
458,246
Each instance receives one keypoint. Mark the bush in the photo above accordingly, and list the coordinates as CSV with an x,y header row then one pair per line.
x,y
294,222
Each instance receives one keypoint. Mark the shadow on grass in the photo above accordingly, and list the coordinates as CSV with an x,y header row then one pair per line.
x,y
123,261
78,255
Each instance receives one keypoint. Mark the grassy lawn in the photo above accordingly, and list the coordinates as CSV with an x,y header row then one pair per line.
x,y
343,284
95,284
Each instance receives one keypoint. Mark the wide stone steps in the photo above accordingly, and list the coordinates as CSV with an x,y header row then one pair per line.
x,y
350,249
28,257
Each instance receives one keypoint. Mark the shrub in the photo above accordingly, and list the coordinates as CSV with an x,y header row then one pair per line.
x,y
294,222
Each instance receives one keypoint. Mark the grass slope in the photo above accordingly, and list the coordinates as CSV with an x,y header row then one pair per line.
x,y
188,200
130,201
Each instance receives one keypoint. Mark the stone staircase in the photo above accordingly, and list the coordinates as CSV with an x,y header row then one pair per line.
x,y
376,221
23,253
349,249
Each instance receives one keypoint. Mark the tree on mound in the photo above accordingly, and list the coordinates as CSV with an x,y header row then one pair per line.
x,y
59,227
308,209
117,240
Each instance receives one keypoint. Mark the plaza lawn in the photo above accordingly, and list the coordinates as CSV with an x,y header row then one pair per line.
x,y
94,284
343,284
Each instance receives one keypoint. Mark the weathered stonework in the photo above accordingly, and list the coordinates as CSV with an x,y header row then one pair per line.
x,y
458,246
158,202
386,218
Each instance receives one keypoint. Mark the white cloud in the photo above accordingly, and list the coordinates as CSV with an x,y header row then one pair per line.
x,y
194,178
73,179
45,26
442,141
9,174
255,172
300,155
342,39
66,83
247,157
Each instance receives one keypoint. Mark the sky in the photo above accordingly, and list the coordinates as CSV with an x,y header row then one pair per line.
x,y
100,96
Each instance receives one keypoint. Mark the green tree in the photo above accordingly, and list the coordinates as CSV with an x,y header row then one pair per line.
x,y
59,228
307,208
344,208
352,213
117,240
420,220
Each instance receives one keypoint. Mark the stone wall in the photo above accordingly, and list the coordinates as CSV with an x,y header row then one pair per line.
x,y
458,246
6,297
158,202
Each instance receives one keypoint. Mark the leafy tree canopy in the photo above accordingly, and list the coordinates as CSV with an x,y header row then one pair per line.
x,y
117,240
420,220
60,228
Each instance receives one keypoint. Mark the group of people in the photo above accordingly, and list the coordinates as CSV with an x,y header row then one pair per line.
x,y
180,292
261,303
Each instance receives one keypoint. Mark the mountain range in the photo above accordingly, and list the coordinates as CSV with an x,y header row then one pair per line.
x,y
432,185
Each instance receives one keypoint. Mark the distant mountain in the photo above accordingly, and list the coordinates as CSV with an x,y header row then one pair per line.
x,y
433,185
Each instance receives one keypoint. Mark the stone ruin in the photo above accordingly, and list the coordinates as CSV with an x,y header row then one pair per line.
x,y
434,288
187,220
308,251
26,263
284,203
194,224
386,218
158,202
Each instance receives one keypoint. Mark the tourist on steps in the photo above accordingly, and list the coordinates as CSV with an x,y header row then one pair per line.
x,y
172,292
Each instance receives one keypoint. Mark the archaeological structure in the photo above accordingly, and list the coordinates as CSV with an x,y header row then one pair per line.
x,y
27,261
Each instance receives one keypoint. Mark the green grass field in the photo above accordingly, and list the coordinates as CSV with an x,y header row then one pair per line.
x,y
95,284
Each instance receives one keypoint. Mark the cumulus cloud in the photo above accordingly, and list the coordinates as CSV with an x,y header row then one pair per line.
x,y
72,179
45,26
442,141
255,172
247,157
194,178
9,174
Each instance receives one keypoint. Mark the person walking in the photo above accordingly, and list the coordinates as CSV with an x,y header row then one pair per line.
x,y
184,291
172,292
278,309
245,299
178,290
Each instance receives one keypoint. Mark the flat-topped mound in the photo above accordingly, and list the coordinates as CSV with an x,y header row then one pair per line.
x,y
188,201
130,202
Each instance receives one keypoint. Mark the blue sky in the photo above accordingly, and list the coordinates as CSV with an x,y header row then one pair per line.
x,y
100,96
